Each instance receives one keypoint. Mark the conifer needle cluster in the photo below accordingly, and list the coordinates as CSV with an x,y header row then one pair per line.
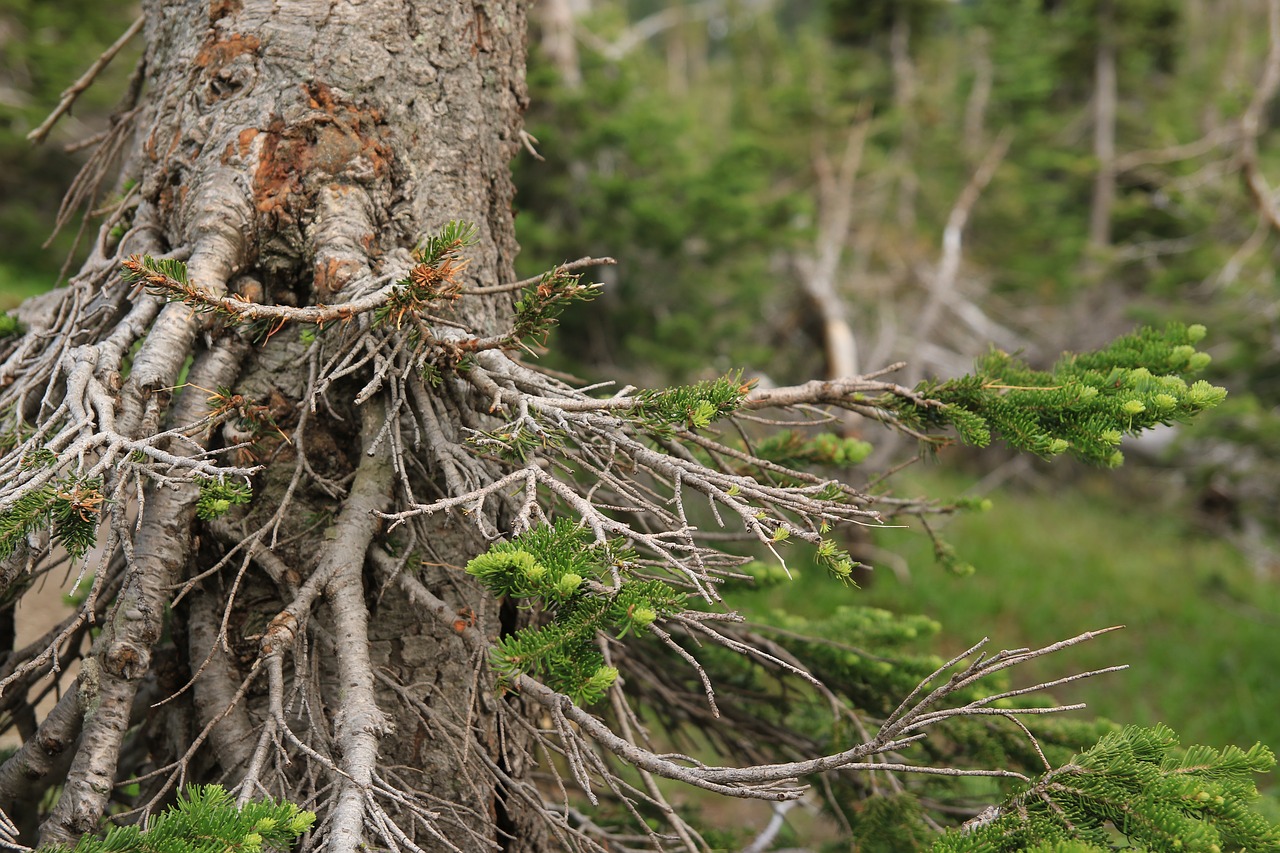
x,y
69,509
694,406
794,449
556,567
217,497
206,820
1138,783
1084,406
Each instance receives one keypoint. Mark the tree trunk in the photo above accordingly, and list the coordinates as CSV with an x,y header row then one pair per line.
x,y
558,42
904,96
293,154
1104,130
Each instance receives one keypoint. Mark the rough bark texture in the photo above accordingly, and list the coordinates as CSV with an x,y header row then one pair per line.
x,y
340,134
293,152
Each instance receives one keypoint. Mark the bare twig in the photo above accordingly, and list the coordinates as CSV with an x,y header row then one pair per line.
x,y
73,91
569,266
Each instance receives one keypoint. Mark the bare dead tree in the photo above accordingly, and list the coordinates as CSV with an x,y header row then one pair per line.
x,y
819,271
558,41
904,98
1252,123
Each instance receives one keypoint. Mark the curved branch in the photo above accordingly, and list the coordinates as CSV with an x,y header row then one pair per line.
x,y
1251,126
360,722
73,91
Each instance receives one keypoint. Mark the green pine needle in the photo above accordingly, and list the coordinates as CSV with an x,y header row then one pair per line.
x,y
1083,406
553,565
690,406
1135,781
206,820
217,497
448,243
69,508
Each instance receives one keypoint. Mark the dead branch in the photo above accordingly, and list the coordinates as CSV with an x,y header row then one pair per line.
x,y
1251,122
70,94
942,287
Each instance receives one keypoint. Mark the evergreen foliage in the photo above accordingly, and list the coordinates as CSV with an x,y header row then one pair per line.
x,y
217,497
554,566
794,449
680,196
690,406
434,278
170,268
1138,783
448,244
540,305
206,820
891,824
870,653
69,509
1084,405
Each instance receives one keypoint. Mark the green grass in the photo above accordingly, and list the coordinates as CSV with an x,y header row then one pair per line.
x,y
1201,629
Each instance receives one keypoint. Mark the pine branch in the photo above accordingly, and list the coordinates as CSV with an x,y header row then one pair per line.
x,y
431,281
556,567
1136,781
205,820
1084,405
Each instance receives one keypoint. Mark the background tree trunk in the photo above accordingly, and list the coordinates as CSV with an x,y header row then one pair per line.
x,y
1104,130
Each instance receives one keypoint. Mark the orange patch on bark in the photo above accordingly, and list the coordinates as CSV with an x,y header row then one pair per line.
x,y
240,146
333,274
219,9
215,54
323,146
276,173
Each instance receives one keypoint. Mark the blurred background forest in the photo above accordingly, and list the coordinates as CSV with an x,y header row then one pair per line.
x,y
825,187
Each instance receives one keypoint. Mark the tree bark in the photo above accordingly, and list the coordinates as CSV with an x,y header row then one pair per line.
x,y
293,154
